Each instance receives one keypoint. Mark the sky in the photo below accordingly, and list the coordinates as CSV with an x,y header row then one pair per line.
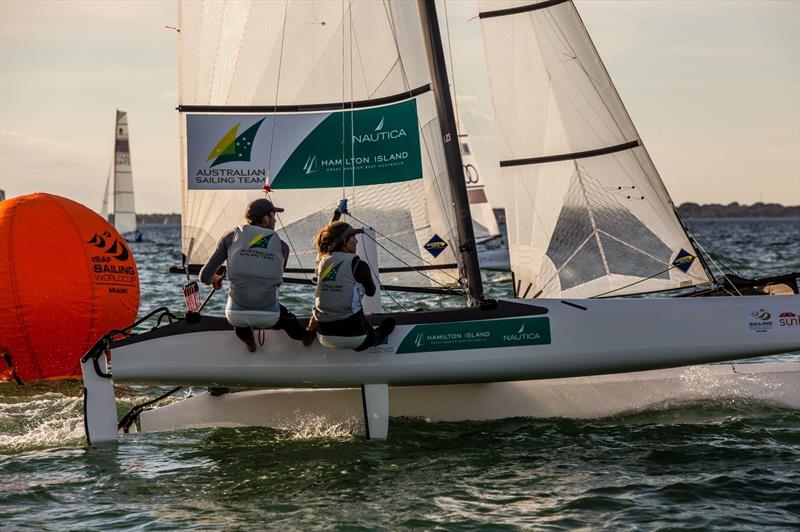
x,y
712,86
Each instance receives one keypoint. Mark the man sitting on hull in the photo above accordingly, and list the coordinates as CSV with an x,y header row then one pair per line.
x,y
256,258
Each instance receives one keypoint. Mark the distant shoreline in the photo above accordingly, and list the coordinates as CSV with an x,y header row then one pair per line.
x,y
685,210
735,210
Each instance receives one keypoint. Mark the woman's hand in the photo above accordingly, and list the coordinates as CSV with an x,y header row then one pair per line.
x,y
216,282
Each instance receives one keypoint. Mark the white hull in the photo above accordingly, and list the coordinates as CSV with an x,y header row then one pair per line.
x,y
769,384
540,339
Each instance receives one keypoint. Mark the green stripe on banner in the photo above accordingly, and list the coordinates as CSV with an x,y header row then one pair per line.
x,y
384,149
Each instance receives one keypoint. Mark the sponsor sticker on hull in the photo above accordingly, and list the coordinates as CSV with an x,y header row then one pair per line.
x,y
789,319
481,334
760,321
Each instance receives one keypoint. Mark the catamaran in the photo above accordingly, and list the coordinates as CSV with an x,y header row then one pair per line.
x,y
120,183
310,102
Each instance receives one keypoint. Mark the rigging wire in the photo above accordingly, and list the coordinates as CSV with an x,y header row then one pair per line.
x,y
277,91
415,255
721,271
352,111
377,270
344,99
452,68
634,283
431,279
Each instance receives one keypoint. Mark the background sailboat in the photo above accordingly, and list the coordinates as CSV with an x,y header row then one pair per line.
x,y
120,177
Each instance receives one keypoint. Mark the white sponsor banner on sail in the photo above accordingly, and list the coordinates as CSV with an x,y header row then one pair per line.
x,y
304,150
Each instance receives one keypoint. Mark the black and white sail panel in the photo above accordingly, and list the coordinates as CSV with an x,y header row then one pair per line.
x,y
587,212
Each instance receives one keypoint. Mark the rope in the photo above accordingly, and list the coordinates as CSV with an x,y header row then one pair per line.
x,y
415,255
634,283
711,258
133,414
103,344
291,246
431,279
366,259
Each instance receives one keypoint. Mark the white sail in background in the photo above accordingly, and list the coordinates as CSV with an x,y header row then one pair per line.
x,y
104,206
277,64
484,222
124,208
587,212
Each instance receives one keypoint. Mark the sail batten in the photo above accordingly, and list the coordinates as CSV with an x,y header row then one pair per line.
x,y
520,9
572,156
591,214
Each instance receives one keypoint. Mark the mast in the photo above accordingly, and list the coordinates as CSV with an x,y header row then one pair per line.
x,y
452,153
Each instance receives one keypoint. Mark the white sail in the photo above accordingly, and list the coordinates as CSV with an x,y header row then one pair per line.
x,y
124,208
587,212
282,65
104,206
484,223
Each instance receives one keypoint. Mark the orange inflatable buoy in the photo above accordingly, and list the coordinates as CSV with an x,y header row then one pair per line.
x,y
66,278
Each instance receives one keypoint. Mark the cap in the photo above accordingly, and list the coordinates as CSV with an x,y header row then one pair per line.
x,y
259,208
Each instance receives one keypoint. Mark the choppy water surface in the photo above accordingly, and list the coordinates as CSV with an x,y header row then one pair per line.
x,y
725,466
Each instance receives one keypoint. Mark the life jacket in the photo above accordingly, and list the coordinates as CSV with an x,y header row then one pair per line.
x,y
255,266
338,294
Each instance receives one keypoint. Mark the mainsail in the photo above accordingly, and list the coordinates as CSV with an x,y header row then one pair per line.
x,y
587,212
124,209
318,100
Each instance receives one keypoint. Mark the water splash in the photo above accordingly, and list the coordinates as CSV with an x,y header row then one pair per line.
x,y
39,422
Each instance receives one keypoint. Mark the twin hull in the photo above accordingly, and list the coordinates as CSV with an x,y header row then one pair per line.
x,y
513,340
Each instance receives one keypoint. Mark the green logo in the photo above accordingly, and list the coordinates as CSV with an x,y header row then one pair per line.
x,y
480,334
233,148
329,274
260,241
363,147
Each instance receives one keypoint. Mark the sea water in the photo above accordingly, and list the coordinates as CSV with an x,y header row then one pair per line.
x,y
708,465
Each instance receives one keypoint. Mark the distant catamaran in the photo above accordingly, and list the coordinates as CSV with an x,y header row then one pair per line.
x,y
124,213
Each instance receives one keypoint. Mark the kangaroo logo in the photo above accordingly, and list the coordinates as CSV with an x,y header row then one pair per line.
x,y
232,147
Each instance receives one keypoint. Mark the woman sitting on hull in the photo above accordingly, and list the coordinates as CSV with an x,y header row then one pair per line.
x,y
342,281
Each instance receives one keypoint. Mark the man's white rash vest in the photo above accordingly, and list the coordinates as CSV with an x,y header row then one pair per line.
x,y
255,266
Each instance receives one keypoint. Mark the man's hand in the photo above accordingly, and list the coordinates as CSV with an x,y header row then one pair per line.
x,y
216,282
